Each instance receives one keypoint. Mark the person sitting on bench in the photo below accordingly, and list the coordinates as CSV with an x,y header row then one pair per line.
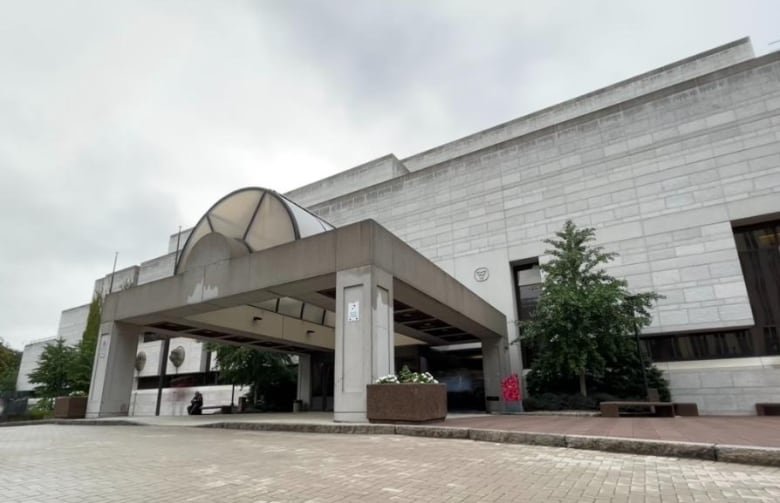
x,y
195,408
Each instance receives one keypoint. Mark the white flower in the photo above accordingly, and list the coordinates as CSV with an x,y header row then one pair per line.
x,y
388,379
409,377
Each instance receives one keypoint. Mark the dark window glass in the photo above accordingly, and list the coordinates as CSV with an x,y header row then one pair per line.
x,y
662,348
706,346
528,289
178,381
529,298
771,341
759,255
151,337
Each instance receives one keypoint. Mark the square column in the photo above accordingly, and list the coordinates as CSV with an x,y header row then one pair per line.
x,y
304,380
515,351
365,341
112,371
495,367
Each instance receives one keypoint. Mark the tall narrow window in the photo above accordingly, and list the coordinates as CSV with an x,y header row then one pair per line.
x,y
759,256
528,288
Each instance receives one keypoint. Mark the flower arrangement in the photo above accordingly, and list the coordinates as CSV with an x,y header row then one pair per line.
x,y
406,376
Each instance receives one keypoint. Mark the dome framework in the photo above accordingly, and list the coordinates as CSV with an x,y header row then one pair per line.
x,y
254,218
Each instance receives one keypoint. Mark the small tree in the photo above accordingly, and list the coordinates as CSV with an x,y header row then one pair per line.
x,y
269,374
585,318
53,372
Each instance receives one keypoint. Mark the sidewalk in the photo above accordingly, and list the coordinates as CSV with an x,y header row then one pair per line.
x,y
758,431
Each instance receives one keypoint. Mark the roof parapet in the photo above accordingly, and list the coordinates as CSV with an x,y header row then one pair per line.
x,y
679,71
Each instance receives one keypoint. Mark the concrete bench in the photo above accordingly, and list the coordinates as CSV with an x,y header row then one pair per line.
x,y
661,409
224,409
768,409
686,409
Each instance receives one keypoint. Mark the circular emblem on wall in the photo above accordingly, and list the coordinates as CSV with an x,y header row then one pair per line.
x,y
140,361
177,356
481,274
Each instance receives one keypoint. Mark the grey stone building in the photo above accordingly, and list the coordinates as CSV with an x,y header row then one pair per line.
x,y
677,169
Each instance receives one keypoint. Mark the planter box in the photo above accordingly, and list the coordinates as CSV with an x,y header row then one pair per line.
x,y
406,403
70,407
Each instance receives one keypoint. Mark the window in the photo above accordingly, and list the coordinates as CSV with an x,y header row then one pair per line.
x,y
151,337
758,247
707,346
528,288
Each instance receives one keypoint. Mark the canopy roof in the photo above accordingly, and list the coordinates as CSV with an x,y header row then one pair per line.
x,y
254,218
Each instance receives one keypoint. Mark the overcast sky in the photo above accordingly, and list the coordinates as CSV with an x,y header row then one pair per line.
x,y
120,121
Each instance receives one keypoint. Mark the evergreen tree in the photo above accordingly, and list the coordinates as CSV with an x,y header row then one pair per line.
x,y
583,324
80,373
53,372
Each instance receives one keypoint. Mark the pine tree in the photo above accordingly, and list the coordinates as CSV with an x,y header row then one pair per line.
x,y
53,372
583,324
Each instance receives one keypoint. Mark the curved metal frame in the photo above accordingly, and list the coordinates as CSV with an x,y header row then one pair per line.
x,y
283,200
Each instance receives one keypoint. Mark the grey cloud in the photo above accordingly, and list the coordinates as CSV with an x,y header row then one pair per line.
x,y
120,121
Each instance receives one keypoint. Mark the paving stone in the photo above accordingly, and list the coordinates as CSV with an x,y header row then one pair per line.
x,y
366,429
88,464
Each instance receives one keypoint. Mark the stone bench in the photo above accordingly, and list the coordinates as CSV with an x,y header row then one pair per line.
x,y
661,409
686,409
768,409
224,409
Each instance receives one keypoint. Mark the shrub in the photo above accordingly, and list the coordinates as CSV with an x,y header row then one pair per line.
x,y
565,401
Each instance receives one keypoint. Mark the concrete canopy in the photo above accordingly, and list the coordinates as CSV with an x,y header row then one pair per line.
x,y
306,270
219,297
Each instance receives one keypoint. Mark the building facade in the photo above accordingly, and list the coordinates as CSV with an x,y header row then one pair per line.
x,y
677,169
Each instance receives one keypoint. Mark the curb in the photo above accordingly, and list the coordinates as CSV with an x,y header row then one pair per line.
x,y
645,447
431,431
73,422
517,437
749,455
765,456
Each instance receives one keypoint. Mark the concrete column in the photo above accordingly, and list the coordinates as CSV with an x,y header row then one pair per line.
x,y
364,338
514,350
304,380
495,367
112,371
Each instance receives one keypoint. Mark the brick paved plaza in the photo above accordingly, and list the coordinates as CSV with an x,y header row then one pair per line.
x,y
146,464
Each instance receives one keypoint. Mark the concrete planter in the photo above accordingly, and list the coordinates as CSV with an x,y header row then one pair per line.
x,y
406,403
70,407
